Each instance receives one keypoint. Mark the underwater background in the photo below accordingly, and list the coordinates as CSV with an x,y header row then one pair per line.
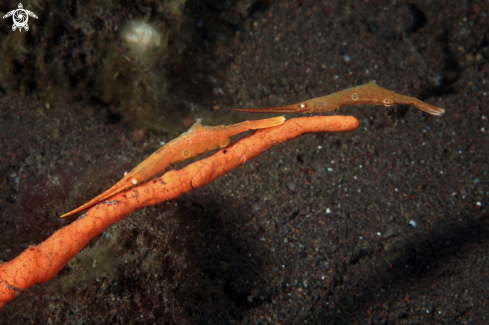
x,y
387,224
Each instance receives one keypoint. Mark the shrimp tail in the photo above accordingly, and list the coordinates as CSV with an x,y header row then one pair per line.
x,y
267,123
406,100
433,110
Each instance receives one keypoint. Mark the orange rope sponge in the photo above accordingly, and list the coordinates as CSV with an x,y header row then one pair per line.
x,y
40,263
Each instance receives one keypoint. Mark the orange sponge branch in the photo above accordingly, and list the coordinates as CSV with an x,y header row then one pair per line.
x,y
40,263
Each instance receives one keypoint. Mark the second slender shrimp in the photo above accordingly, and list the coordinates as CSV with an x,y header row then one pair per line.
x,y
197,140
369,93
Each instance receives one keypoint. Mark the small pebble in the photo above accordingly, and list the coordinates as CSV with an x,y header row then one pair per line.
x,y
292,186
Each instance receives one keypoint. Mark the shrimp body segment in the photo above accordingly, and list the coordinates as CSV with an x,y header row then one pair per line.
x,y
197,140
369,93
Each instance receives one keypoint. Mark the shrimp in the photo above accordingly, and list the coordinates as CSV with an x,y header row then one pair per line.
x,y
197,140
369,93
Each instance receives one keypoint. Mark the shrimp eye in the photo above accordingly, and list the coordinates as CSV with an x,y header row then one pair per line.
x,y
186,153
223,143
354,96
386,101
303,105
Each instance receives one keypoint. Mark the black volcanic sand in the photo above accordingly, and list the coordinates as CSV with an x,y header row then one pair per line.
x,y
384,225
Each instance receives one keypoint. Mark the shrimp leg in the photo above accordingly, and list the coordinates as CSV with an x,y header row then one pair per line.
x,y
369,93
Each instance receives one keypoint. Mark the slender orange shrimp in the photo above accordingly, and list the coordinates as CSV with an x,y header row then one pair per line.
x,y
197,140
369,93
